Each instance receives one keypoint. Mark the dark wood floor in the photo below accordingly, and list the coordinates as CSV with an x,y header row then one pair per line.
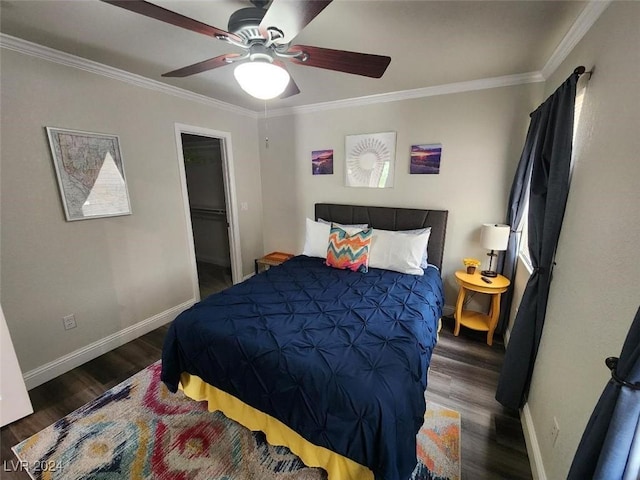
x,y
212,278
463,376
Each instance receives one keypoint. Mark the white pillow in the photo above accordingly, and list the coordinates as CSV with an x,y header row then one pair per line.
x,y
317,233
398,251
359,226
424,263
316,239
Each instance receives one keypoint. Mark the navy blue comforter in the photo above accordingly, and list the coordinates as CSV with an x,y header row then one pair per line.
x,y
340,357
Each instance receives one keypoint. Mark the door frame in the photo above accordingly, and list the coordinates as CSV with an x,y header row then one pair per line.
x,y
14,399
233,229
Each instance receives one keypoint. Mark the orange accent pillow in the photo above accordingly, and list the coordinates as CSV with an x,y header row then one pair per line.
x,y
349,252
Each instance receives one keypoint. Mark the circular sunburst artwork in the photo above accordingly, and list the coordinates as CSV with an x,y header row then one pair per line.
x,y
370,160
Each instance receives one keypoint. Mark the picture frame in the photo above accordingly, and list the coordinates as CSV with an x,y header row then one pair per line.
x,y
90,173
370,160
425,159
322,162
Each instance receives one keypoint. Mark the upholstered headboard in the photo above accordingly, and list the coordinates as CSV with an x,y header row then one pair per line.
x,y
391,218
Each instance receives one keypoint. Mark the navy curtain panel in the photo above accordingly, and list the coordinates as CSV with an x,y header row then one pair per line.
x,y
607,450
550,146
515,210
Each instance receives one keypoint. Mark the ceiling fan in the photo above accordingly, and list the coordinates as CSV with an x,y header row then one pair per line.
x,y
265,35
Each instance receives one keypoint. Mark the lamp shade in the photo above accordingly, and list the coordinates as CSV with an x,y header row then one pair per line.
x,y
494,236
261,79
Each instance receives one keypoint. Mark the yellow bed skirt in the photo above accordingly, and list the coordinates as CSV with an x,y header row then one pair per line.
x,y
337,466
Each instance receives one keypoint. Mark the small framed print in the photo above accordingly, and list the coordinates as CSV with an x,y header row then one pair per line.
x,y
322,162
425,159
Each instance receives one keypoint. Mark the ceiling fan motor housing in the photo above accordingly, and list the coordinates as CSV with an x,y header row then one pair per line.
x,y
265,43
245,22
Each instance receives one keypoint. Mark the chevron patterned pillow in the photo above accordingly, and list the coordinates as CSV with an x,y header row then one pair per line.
x,y
349,251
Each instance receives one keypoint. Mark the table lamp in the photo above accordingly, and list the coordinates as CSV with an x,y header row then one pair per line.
x,y
494,237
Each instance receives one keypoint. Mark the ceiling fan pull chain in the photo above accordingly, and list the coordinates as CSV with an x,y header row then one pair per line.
x,y
266,126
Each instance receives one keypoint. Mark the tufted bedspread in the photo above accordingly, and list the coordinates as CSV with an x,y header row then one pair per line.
x,y
340,357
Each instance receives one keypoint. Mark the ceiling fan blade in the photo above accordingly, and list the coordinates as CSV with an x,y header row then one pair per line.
x,y
291,17
203,66
292,88
364,64
154,11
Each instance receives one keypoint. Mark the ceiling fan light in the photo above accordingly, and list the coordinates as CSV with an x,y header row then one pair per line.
x,y
261,79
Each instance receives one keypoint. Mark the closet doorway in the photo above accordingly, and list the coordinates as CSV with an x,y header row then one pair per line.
x,y
209,201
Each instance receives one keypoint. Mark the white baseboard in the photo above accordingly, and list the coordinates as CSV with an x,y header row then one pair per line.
x,y
247,277
533,448
507,336
61,365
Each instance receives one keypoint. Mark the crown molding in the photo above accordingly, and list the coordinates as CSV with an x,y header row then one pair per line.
x,y
46,53
580,27
458,87
33,49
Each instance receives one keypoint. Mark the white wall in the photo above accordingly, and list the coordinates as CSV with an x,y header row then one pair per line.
x,y
594,294
481,133
112,273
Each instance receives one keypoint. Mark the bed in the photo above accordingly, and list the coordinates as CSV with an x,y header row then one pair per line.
x,y
330,363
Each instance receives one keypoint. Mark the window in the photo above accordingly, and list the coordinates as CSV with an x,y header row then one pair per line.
x,y
523,228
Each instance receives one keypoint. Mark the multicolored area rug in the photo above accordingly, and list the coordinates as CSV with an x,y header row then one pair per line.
x,y
138,430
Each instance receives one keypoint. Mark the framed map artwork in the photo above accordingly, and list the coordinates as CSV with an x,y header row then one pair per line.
x,y
370,160
90,174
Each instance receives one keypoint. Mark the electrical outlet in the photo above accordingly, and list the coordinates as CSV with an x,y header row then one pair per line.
x,y
69,322
555,430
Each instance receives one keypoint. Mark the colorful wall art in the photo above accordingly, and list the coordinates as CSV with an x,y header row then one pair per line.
x,y
322,162
425,159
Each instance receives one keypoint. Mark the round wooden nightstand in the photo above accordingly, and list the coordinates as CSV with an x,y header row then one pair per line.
x,y
477,320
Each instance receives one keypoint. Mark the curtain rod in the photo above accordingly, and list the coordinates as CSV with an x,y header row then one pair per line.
x,y
581,71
